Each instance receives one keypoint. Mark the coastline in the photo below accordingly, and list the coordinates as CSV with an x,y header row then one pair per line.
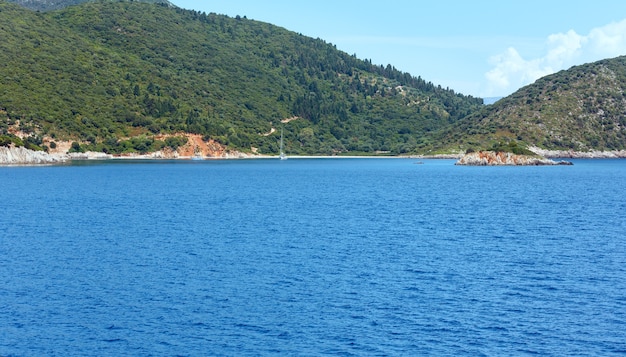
x,y
15,156
593,154
19,156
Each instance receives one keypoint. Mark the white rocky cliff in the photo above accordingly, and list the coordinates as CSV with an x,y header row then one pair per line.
x,y
22,156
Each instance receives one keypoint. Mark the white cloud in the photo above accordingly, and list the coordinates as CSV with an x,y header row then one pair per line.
x,y
563,47
510,70
610,40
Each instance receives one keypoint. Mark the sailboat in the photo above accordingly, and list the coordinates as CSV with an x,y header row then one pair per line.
x,y
197,154
282,146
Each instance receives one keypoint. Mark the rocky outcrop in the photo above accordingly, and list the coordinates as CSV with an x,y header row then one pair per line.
x,y
89,155
492,158
22,156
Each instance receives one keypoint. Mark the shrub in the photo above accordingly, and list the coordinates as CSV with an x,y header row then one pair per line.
x,y
75,148
175,141
511,147
5,140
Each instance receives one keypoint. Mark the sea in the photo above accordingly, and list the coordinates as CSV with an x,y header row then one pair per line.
x,y
312,257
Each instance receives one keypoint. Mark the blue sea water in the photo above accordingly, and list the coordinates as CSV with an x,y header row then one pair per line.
x,y
312,257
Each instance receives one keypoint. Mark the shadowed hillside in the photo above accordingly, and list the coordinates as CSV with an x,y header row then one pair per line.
x,y
583,108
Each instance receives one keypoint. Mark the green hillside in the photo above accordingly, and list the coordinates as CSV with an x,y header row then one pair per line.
x,y
103,72
581,109
47,5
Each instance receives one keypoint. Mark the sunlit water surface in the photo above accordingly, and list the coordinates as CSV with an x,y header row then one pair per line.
x,y
313,257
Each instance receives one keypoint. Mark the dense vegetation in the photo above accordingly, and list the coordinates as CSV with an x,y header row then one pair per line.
x,y
111,75
106,73
511,146
579,109
47,5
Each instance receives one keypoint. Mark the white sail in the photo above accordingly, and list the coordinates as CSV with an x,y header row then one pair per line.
x,y
282,147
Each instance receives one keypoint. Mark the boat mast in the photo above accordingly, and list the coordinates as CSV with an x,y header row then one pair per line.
x,y
282,145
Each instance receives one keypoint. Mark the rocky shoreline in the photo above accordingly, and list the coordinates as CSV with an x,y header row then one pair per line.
x,y
492,158
22,156
594,154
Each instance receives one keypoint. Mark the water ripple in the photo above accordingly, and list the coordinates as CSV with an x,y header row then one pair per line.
x,y
313,257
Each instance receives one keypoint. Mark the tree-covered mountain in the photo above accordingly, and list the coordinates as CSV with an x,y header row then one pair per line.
x,y
48,5
103,72
582,108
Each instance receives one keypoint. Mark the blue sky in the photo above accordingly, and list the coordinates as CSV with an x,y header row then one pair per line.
x,y
481,48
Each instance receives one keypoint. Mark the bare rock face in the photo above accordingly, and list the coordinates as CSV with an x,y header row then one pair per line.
x,y
492,158
23,156
593,154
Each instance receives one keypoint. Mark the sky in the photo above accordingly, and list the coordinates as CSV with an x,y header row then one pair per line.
x,y
479,48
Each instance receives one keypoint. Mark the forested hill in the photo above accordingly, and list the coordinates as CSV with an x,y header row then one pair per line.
x,y
103,72
580,109
47,5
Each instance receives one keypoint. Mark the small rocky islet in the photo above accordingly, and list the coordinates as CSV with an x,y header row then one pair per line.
x,y
500,158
